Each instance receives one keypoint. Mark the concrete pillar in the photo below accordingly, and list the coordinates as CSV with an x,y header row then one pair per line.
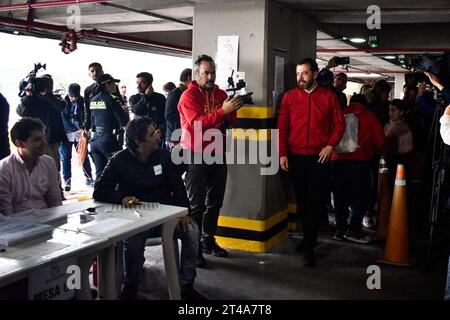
x,y
398,88
254,213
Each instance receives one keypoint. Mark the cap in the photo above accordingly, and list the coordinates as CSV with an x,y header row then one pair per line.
x,y
105,78
74,90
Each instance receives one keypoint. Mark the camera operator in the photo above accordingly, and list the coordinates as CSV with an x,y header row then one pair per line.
x,y
445,90
35,105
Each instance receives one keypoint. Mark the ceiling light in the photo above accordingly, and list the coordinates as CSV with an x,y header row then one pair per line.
x,y
357,40
389,57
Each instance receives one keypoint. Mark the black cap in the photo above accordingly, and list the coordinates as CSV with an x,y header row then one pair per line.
x,y
74,90
105,78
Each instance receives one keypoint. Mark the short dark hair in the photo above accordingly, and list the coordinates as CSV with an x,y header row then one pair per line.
x,y
202,58
136,129
312,64
22,129
399,104
359,98
341,74
185,75
95,65
169,86
147,76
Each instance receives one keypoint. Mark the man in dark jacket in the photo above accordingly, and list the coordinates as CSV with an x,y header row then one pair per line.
x,y
148,103
144,172
310,125
35,105
4,117
171,112
73,119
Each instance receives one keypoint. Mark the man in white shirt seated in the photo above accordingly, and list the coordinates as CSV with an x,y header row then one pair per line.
x,y
28,178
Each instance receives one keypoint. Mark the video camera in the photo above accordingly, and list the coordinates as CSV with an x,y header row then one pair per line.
x,y
437,65
342,61
37,84
239,90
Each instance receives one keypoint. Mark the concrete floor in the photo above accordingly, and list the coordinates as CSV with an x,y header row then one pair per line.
x,y
280,275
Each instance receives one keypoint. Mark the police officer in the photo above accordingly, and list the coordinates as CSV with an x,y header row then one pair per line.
x,y
108,117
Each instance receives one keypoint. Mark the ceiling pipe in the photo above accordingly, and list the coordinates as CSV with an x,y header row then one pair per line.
x,y
372,71
92,33
387,50
47,4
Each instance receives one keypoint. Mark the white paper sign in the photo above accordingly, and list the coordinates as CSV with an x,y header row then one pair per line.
x,y
227,59
49,282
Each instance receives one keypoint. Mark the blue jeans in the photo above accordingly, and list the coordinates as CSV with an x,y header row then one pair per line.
x,y
103,145
134,247
65,152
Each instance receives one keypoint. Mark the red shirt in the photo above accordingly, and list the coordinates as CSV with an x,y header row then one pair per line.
x,y
370,135
308,122
197,107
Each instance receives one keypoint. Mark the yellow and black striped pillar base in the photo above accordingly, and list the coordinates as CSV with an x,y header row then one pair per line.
x,y
252,235
254,216
293,218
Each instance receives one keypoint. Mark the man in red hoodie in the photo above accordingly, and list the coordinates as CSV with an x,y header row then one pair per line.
x,y
351,171
204,106
310,125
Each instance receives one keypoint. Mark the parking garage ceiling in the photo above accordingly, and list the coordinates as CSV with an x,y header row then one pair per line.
x,y
165,26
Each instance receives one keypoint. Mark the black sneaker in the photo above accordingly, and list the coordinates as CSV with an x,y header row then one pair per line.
x,y
90,182
189,293
67,186
356,236
309,260
129,292
339,235
210,246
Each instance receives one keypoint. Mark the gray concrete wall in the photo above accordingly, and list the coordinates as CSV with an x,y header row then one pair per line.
x,y
245,19
291,35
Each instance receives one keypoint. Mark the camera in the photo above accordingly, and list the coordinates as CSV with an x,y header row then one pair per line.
x,y
239,90
30,82
437,65
342,60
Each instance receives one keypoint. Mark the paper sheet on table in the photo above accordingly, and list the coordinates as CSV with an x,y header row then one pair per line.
x,y
107,225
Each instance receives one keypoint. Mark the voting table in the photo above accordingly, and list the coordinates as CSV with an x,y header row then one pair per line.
x,y
90,233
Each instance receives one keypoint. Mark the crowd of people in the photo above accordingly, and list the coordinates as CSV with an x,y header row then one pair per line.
x,y
130,140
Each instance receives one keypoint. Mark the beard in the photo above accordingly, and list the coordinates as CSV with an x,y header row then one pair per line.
x,y
209,85
304,84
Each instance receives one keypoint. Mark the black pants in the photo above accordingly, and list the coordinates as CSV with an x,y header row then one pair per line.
x,y
352,188
311,183
205,185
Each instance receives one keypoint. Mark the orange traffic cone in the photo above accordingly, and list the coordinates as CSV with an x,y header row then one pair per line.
x,y
383,201
396,251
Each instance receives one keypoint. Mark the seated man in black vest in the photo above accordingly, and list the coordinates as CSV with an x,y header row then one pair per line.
x,y
145,172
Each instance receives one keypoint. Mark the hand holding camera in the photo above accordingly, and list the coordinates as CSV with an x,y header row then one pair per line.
x,y
232,105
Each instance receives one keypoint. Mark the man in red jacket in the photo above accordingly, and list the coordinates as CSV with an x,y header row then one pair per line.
x,y
204,106
310,125
351,171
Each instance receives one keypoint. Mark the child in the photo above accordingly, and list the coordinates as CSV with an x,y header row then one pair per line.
x,y
399,141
